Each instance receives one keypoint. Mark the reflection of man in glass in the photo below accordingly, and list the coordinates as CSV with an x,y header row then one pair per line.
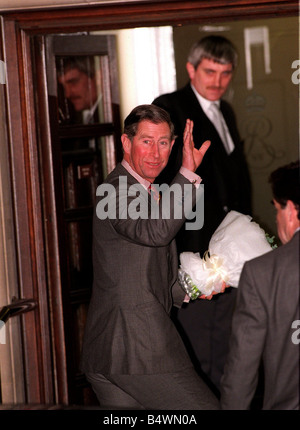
x,y
77,76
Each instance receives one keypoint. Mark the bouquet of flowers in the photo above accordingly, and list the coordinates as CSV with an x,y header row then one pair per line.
x,y
236,240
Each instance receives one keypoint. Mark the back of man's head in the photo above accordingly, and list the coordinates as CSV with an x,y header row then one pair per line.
x,y
285,183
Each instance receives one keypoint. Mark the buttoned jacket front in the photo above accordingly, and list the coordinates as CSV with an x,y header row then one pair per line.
x,y
128,329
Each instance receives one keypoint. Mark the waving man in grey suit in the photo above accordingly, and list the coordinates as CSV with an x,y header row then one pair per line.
x,y
266,322
132,354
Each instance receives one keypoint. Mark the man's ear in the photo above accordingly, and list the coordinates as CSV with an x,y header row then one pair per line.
x,y
292,211
292,221
126,143
191,70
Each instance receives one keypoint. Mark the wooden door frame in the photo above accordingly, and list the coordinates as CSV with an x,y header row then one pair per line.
x,y
30,246
35,224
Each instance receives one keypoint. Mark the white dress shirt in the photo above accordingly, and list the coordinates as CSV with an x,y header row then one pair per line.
x,y
206,104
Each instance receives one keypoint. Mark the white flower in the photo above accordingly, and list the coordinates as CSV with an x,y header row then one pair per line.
x,y
236,240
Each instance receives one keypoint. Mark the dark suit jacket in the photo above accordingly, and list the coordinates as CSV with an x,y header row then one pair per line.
x,y
267,305
128,329
225,177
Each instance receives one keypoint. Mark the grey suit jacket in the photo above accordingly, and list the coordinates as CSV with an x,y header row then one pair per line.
x,y
267,305
128,329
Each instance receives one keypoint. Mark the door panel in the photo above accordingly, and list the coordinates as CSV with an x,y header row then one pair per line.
x,y
76,156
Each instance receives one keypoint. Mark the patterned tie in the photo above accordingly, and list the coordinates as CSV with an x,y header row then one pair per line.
x,y
155,194
219,123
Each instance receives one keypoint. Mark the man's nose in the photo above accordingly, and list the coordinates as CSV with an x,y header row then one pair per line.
x,y
155,150
68,91
217,80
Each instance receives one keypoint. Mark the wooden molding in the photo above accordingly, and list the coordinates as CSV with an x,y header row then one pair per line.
x,y
149,13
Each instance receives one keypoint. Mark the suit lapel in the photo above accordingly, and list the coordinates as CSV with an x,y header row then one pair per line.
x,y
203,127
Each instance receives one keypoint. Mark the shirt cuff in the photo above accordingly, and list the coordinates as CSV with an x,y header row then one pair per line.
x,y
190,176
186,299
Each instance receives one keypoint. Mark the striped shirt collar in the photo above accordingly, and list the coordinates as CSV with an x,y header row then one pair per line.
x,y
133,173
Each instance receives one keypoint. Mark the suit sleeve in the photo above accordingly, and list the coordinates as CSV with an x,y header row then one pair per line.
x,y
159,226
178,295
249,327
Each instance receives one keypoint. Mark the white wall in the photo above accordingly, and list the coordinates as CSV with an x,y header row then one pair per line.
x,y
146,64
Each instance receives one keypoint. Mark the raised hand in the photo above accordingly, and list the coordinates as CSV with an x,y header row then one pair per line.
x,y
192,157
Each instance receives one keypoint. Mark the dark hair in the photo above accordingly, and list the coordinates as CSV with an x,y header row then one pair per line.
x,y
150,113
83,63
285,183
216,48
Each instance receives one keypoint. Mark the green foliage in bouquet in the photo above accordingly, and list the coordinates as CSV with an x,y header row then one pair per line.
x,y
271,241
188,285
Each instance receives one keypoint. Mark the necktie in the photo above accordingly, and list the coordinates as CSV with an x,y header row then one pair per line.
x,y
219,123
155,194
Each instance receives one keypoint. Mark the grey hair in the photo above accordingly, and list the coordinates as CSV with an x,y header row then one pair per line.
x,y
216,48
